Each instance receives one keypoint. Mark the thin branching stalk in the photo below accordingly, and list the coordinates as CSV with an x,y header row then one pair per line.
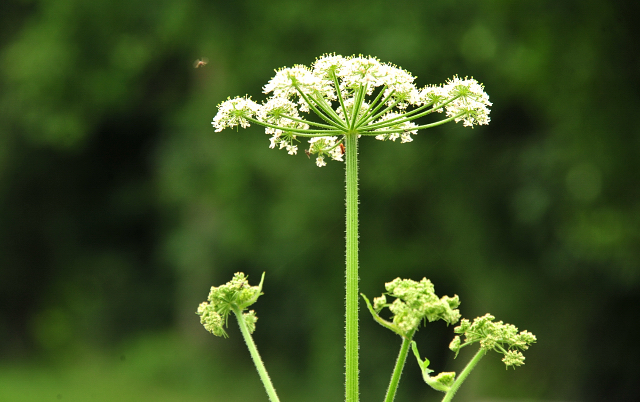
x,y
397,370
463,375
253,350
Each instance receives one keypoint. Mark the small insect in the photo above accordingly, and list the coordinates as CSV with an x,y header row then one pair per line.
x,y
342,148
306,151
200,62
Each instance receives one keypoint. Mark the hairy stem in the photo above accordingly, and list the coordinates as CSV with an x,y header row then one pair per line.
x,y
397,371
351,315
262,371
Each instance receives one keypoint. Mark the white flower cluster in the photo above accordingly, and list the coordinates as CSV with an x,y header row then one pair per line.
x,y
335,88
275,112
471,103
326,145
233,112
395,122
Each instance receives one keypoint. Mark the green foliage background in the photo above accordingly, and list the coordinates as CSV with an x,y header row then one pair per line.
x,y
120,206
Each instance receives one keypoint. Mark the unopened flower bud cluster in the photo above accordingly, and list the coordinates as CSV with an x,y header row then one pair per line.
x,y
235,294
415,302
501,337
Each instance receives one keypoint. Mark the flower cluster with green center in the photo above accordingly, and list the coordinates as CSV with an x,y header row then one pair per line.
x,y
498,336
358,95
234,296
415,302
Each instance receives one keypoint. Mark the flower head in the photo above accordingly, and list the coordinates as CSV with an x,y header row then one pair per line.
x,y
415,302
400,89
328,65
211,319
233,112
470,103
361,71
293,82
284,114
235,295
396,122
354,95
501,337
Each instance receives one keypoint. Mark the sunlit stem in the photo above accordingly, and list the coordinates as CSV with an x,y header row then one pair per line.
x,y
401,130
463,375
324,105
334,120
375,106
253,350
351,314
372,116
339,92
358,99
311,123
299,131
412,115
398,119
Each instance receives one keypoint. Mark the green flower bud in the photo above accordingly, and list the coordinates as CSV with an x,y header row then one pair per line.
x,y
415,302
498,336
236,295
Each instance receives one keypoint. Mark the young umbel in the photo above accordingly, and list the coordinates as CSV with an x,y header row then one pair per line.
x,y
327,108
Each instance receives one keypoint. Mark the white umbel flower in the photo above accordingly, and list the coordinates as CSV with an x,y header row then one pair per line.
x,y
362,71
278,112
471,103
354,95
396,123
233,112
289,81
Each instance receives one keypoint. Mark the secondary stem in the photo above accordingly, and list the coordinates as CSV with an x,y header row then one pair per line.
x,y
253,350
351,315
463,375
397,371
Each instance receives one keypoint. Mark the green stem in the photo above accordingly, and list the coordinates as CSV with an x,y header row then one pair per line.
x,y
351,315
262,371
310,123
397,371
371,116
375,106
409,116
402,130
326,110
463,375
299,131
357,103
339,93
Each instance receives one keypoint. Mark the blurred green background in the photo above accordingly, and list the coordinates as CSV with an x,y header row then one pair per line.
x,y
120,206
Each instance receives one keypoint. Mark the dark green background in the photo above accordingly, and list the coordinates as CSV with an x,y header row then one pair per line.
x,y
120,206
